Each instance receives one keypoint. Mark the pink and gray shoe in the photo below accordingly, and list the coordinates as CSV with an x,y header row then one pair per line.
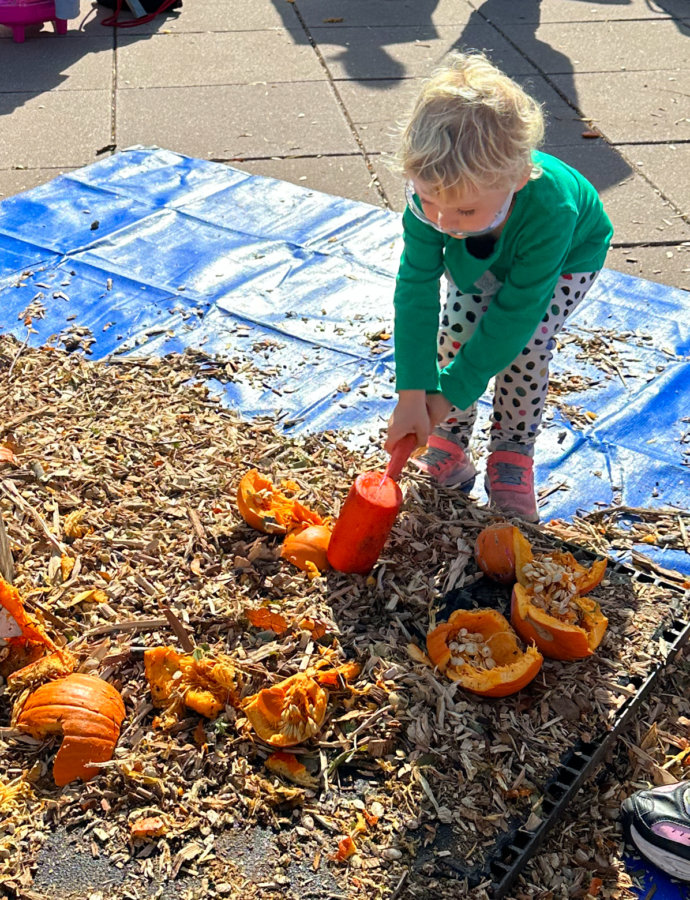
x,y
510,484
447,463
657,824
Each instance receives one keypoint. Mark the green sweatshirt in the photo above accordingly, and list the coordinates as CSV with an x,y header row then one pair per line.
x,y
557,225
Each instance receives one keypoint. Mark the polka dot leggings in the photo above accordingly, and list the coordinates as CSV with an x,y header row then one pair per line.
x,y
520,389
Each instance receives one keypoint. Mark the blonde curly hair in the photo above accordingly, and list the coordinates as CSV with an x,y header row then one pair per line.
x,y
471,127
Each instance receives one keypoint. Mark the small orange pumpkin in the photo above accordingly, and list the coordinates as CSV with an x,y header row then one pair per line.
x,y
204,685
480,650
87,711
500,550
307,547
573,633
266,508
288,713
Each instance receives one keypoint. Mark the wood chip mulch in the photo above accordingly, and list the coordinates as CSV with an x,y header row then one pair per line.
x,y
121,506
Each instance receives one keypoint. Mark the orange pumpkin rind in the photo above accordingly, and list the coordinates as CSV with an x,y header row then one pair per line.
x,y
266,508
87,711
555,638
514,668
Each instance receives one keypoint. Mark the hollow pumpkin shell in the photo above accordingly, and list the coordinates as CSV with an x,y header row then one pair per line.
x,y
500,550
87,711
514,668
555,638
266,508
288,713
307,548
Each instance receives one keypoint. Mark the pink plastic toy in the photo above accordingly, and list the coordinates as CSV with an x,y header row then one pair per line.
x,y
17,14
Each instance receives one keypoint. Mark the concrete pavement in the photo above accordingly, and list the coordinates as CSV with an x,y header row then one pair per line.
x,y
309,91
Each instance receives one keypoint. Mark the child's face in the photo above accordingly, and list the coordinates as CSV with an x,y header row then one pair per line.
x,y
462,212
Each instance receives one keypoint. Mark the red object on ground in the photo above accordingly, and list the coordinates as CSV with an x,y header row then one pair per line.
x,y
368,514
17,14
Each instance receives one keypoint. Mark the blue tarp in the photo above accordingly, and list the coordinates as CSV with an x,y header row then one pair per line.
x,y
156,252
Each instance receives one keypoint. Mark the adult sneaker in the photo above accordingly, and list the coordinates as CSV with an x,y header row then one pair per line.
x,y
510,484
657,823
447,463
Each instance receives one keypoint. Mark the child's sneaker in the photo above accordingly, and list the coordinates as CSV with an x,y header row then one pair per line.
x,y
447,463
510,484
657,823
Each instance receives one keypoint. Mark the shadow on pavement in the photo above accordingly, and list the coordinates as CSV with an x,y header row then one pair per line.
x,y
42,63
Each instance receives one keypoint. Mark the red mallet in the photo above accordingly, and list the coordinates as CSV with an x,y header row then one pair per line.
x,y
368,514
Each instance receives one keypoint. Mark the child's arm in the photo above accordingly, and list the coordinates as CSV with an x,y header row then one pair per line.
x,y
417,306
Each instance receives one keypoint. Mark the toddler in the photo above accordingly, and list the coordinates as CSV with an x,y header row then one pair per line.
x,y
520,237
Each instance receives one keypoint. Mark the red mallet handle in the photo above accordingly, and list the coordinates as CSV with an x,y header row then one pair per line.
x,y
400,455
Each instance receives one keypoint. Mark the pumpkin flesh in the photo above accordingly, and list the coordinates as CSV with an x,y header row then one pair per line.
x,y
45,668
23,639
87,711
288,713
512,667
288,766
176,680
572,571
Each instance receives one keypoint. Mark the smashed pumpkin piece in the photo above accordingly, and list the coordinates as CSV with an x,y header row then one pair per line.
x,y
23,639
288,713
266,508
346,849
307,548
334,677
205,685
503,553
147,828
548,607
87,711
479,649
570,632
288,766
264,618
47,668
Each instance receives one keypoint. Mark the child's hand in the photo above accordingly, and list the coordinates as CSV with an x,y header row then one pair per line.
x,y
410,416
438,408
